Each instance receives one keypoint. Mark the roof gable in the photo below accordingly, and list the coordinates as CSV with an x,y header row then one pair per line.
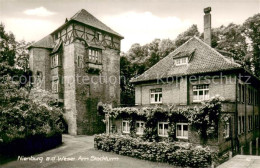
x,y
85,17
204,59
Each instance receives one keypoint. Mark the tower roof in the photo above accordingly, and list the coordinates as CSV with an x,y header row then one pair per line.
x,y
81,16
85,17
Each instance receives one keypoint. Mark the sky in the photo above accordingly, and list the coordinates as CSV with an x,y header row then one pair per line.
x,y
139,21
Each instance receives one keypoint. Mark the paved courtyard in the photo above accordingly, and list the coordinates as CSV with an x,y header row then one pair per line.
x,y
77,152
242,161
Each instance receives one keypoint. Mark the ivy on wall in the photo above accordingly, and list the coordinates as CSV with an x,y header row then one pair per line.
x,y
204,118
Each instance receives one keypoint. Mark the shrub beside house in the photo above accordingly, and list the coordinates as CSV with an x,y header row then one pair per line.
x,y
28,123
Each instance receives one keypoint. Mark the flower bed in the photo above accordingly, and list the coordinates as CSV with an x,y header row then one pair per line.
x,y
177,153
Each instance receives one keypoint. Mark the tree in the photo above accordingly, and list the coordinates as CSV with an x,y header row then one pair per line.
x,y
127,89
185,36
166,46
230,39
22,55
251,28
7,46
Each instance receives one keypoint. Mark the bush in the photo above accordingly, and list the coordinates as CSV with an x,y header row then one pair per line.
x,y
177,153
22,116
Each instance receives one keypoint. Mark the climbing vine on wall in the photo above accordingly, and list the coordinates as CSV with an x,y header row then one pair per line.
x,y
204,118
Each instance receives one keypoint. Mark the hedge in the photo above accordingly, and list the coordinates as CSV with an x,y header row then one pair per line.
x,y
176,153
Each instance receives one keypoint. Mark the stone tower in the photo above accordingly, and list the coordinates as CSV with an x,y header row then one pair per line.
x,y
79,63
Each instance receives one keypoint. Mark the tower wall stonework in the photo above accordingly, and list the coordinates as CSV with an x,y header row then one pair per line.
x,y
69,88
39,61
92,88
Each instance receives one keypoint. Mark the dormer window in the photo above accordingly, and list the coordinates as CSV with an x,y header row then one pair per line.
x,y
181,61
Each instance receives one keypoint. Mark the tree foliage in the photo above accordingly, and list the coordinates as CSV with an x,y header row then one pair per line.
x,y
251,28
185,36
7,46
21,115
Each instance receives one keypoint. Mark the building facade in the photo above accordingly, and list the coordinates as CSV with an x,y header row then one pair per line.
x,y
79,63
195,72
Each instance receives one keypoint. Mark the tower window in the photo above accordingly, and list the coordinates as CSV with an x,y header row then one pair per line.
x,y
99,36
95,55
54,60
55,86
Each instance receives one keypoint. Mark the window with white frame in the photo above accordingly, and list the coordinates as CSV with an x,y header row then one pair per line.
x,y
140,127
54,60
227,130
55,86
200,93
182,130
156,95
181,61
163,129
94,55
125,126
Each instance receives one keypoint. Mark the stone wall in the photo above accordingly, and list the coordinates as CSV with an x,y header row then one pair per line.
x,y
70,88
39,61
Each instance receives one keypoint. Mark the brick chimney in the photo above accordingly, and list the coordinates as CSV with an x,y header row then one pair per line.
x,y
207,26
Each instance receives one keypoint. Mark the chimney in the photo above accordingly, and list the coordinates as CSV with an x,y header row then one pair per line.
x,y
207,26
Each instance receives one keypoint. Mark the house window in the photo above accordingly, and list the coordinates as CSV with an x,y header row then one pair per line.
x,y
182,130
242,93
249,123
55,86
156,95
95,55
256,101
227,130
125,125
181,61
239,125
80,61
140,127
256,121
249,95
163,129
200,93
243,124
54,60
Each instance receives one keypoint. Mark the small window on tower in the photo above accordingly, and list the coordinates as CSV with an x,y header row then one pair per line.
x,y
99,36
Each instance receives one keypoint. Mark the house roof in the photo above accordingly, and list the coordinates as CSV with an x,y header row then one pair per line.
x,y
81,16
46,42
204,59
